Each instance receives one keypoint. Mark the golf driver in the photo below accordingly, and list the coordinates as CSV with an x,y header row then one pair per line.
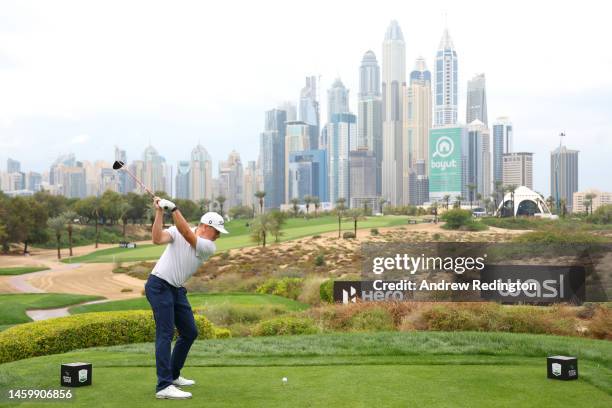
x,y
119,165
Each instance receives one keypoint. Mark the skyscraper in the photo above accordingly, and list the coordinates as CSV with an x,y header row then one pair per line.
x,y
502,144
200,174
153,169
231,179
250,185
362,177
340,132
297,139
477,160
308,174
476,108
337,99
13,166
183,169
447,81
563,176
369,112
309,110
121,155
416,123
272,154
518,169
393,79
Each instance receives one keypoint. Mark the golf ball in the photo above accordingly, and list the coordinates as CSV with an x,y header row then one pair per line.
x,y
285,380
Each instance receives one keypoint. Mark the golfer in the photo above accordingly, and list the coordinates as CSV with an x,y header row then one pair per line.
x,y
187,249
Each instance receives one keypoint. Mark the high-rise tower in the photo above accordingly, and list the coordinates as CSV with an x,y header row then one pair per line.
x,y
446,84
393,79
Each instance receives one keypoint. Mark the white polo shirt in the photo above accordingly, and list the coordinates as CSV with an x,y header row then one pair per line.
x,y
180,260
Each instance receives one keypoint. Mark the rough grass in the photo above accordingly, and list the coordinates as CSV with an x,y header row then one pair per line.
x,y
14,306
198,300
22,269
434,369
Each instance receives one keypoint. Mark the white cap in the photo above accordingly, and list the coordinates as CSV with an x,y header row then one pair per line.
x,y
214,220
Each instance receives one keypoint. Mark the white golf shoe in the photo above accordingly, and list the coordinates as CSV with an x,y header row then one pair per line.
x,y
182,382
171,392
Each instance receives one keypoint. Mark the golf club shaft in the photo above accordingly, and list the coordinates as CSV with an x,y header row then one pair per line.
x,y
124,168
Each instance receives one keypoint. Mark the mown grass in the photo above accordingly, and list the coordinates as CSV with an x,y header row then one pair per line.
x,y
374,369
14,306
198,300
20,270
239,237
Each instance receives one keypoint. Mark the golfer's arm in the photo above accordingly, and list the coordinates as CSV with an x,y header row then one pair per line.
x,y
158,234
183,227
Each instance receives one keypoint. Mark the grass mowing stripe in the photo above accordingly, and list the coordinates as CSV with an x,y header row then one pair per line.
x,y
22,269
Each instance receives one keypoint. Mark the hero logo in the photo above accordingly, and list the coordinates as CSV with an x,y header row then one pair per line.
x,y
349,295
444,148
556,369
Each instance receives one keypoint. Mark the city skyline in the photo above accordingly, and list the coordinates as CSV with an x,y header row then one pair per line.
x,y
539,110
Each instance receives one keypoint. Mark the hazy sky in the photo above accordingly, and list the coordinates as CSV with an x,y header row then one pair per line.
x,y
83,76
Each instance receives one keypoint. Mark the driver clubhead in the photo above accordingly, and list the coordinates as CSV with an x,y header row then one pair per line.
x,y
118,164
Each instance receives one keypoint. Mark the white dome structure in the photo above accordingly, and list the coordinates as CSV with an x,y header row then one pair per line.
x,y
526,203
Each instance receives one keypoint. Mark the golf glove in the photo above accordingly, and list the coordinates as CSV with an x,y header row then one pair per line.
x,y
166,205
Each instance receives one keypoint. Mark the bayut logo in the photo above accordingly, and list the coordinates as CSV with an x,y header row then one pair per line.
x,y
444,148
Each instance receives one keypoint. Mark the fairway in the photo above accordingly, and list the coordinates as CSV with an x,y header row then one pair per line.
x,y
368,369
14,306
198,300
239,237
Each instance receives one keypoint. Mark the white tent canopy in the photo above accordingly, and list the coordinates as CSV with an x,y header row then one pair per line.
x,y
526,202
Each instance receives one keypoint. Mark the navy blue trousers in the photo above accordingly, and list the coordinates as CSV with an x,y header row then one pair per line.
x,y
170,308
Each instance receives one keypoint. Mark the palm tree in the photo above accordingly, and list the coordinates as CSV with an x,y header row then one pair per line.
x,y
260,196
479,198
355,213
260,228
499,188
294,202
563,207
459,198
471,188
381,203
69,217
307,201
511,189
446,199
317,203
550,202
588,202
57,224
221,199
487,204
339,208
204,204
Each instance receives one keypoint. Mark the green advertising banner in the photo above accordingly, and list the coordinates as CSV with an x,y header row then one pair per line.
x,y
445,160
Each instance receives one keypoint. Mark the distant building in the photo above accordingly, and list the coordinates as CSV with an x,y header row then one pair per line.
x,y
564,175
341,132
183,170
476,108
446,83
200,174
272,157
309,110
362,176
502,144
13,166
421,195
518,169
337,99
477,164
250,186
308,174
599,198
297,139
231,176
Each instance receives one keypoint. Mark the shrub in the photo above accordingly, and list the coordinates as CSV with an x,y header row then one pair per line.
x,y
557,236
285,325
86,330
601,324
310,292
374,231
372,320
456,218
348,235
326,291
603,215
286,287
319,260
